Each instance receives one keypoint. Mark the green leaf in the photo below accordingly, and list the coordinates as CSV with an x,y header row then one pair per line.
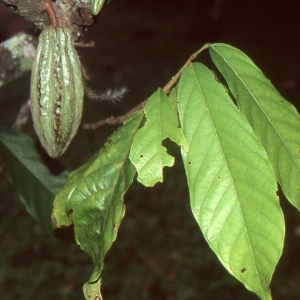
x,y
275,121
231,182
35,185
147,153
93,198
92,291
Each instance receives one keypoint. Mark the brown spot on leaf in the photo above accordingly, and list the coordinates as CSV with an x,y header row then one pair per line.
x,y
243,270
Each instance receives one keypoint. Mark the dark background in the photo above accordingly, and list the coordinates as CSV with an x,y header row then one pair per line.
x,y
160,252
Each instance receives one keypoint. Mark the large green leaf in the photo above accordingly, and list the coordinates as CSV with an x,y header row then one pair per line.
x,y
275,121
231,182
35,185
147,153
93,199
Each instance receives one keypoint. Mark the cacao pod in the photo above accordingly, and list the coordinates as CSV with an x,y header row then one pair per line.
x,y
56,90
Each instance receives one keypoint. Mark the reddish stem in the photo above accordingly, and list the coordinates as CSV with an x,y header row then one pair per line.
x,y
47,6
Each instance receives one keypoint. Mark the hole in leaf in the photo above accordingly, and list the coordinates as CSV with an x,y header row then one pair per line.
x,y
115,226
65,233
243,270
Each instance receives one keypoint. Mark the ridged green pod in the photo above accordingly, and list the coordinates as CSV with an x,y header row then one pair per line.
x,y
96,6
56,90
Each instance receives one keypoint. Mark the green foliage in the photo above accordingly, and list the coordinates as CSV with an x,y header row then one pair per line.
x,y
275,121
147,154
93,198
232,155
231,182
35,184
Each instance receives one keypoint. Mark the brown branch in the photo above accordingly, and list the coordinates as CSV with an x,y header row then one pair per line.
x,y
74,14
114,120
166,89
47,6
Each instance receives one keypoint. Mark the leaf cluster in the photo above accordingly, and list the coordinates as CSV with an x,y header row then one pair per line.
x,y
237,142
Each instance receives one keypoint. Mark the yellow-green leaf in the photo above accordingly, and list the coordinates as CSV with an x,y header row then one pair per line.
x,y
231,182
147,153
274,120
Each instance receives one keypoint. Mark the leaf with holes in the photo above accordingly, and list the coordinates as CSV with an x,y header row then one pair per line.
x,y
147,153
93,198
275,121
231,182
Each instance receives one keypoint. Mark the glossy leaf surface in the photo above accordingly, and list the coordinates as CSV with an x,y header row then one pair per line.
x,y
93,198
274,120
231,182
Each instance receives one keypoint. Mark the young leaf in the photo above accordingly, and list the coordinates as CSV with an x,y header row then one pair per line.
x,y
93,198
275,121
147,153
35,185
231,182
